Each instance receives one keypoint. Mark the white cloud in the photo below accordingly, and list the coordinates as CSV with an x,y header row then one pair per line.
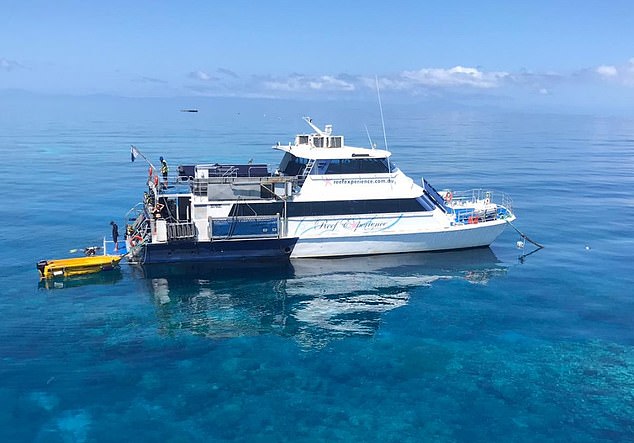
x,y
298,83
9,65
287,85
620,74
331,83
144,79
456,76
409,81
398,83
607,71
200,75
227,72
426,81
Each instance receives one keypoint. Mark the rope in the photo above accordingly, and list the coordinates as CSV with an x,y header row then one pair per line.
x,y
525,236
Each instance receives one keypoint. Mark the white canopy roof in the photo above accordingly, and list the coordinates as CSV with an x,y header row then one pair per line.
x,y
311,152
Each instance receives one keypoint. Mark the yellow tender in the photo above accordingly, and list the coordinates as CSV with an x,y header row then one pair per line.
x,y
68,267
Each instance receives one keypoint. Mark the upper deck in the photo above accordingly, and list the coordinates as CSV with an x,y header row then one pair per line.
x,y
323,145
318,154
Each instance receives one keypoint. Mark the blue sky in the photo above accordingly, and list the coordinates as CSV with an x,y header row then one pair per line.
x,y
522,52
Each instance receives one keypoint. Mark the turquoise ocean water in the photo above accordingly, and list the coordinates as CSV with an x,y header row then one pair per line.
x,y
471,346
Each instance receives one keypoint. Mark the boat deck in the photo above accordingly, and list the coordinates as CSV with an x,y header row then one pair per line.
x,y
108,246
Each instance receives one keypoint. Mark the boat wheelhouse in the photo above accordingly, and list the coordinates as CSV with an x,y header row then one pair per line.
x,y
325,199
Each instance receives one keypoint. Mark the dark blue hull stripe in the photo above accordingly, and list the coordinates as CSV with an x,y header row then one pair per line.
x,y
219,251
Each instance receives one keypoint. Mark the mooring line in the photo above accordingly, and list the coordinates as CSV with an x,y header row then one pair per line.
x,y
525,236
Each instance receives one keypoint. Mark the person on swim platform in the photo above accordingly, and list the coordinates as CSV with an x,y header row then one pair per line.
x,y
115,235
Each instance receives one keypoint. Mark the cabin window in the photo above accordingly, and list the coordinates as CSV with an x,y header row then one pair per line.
x,y
329,208
336,142
303,139
358,166
321,166
318,142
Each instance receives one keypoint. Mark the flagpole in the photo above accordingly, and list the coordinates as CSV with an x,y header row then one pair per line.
x,y
134,150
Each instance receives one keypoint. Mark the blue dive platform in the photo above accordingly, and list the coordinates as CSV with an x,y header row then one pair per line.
x,y
109,247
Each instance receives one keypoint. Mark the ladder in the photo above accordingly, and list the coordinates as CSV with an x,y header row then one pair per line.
x,y
308,168
306,172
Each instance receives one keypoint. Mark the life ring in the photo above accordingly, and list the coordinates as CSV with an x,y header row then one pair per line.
x,y
156,180
448,197
136,240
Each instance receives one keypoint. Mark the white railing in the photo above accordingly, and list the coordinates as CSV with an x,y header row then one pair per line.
x,y
134,212
474,205
199,186
472,196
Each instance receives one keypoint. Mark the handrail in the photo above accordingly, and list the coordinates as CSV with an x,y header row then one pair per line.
x,y
473,216
478,205
232,171
478,194
141,233
220,180
137,209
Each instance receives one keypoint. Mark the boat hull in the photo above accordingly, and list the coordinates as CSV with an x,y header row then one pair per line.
x,y
218,251
451,238
70,267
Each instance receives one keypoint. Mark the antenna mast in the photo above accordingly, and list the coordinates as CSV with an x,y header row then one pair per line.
x,y
389,165
369,138
381,108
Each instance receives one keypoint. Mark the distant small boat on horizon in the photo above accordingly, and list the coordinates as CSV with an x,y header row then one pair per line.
x,y
189,110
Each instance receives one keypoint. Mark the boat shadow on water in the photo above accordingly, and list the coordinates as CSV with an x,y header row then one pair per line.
x,y
311,300
110,277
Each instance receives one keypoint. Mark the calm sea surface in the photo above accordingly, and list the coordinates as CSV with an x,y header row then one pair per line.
x,y
472,346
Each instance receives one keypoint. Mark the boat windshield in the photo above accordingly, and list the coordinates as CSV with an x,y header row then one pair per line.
x,y
357,166
292,165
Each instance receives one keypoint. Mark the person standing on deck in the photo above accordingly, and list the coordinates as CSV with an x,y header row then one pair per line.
x,y
164,171
115,235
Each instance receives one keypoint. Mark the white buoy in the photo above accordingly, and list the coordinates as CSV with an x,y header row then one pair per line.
x,y
520,244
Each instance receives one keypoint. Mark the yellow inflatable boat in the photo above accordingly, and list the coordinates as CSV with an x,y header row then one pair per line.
x,y
68,267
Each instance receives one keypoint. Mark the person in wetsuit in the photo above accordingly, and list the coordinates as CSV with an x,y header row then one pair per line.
x,y
115,235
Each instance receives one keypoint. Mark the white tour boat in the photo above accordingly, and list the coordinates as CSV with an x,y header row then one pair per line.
x,y
325,199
